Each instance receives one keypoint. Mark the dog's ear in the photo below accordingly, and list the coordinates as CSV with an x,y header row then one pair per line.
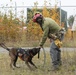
x,y
38,54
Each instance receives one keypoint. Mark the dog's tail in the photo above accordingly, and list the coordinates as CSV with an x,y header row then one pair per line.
x,y
2,45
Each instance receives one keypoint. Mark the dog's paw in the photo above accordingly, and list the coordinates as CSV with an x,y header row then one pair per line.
x,y
17,66
13,68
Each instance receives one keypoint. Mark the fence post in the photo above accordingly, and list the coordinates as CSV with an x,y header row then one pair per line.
x,y
60,13
15,10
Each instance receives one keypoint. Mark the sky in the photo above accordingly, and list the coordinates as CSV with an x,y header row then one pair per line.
x,y
41,2
67,5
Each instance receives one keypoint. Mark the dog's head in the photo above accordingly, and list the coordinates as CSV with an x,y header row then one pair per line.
x,y
34,51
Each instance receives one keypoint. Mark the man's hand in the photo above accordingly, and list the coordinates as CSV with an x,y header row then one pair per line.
x,y
53,36
58,43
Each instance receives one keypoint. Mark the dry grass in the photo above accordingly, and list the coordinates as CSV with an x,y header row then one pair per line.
x,y
68,67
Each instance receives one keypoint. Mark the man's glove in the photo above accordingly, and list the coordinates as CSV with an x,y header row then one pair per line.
x,y
58,43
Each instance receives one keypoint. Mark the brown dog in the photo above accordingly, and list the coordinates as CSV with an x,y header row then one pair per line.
x,y
26,56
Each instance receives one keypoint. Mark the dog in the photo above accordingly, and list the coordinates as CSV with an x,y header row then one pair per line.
x,y
23,54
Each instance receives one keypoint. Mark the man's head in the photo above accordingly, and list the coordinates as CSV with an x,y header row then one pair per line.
x,y
38,18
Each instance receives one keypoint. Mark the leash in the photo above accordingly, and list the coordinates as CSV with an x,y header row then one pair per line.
x,y
44,56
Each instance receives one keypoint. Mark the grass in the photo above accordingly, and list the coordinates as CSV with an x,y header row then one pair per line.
x,y
67,42
68,67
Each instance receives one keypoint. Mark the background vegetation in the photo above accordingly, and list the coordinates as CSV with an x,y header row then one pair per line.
x,y
12,30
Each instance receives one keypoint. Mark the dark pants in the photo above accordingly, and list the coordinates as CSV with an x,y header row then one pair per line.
x,y
55,53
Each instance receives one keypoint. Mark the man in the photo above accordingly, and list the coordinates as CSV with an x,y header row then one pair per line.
x,y
54,32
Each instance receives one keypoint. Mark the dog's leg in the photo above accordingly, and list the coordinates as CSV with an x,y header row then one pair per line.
x,y
11,64
32,63
28,65
15,60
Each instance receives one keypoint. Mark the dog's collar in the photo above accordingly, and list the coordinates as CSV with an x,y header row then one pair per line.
x,y
18,51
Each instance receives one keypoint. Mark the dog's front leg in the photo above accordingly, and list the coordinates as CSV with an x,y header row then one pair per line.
x,y
28,65
32,63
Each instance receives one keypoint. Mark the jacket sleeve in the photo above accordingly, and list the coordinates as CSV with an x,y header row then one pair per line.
x,y
45,35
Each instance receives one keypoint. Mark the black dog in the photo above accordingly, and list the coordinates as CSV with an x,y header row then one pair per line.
x,y
26,56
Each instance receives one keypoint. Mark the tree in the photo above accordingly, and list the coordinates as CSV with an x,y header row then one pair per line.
x,y
5,19
54,14
34,31
0,17
70,20
45,11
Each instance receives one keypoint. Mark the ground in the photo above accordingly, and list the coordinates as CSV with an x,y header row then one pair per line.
x,y
68,65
